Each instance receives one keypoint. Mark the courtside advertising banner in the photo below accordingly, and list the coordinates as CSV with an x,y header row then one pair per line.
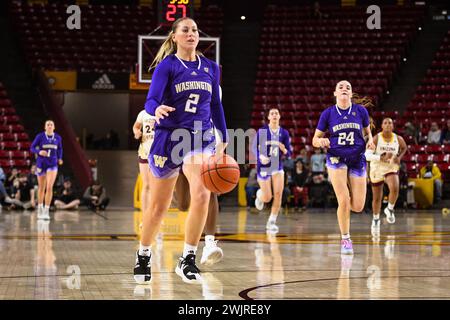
x,y
102,81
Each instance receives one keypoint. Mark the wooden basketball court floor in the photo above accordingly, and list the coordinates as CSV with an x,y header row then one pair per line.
x,y
82,255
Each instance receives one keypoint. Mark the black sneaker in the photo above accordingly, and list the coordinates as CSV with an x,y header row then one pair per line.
x,y
187,269
142,269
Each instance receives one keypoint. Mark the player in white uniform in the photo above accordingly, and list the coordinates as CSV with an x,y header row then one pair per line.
x,y
144,130
384,167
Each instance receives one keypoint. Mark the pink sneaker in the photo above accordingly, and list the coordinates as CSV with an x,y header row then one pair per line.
x,y
346,246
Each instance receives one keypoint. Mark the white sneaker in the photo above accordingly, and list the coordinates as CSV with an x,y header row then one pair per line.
x,y
271,226
8,199
40,213
45,214
258,203
211,253
375,228
390,217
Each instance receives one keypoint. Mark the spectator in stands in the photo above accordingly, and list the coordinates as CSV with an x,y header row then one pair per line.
x,y
24,194
288,164
445,136
406,194
32,178
434,135
251,187
319,190
318,160
431,171
66,197
12,176
286,195
300,180
95,197
411,131
304,157
3,192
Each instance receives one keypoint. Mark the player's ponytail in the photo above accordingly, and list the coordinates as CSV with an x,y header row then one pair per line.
x,y
364,101
167,48
367,103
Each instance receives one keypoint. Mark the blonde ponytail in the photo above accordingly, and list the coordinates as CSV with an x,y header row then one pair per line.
x,y
364,101
367,103
167,48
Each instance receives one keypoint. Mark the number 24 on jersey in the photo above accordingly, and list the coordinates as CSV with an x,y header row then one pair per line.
x,y
346,138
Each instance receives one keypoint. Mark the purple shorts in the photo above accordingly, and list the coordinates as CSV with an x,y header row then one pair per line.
x,y
171,147
356,166
264,173
42,168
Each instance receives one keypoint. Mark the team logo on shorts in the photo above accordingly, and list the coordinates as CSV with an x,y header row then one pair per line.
x,y
206,70
334,160
38,170
263,174
159,160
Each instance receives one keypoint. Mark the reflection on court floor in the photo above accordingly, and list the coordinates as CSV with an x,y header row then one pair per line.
x,y
81,255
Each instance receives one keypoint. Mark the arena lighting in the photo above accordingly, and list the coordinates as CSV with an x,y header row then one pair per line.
x,y
444,12
420,28
404,59
419,3
242,17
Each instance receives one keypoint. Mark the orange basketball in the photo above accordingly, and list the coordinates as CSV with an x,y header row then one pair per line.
x,y
220,175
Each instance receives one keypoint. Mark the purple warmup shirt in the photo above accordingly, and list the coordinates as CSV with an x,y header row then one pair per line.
x,y
192,88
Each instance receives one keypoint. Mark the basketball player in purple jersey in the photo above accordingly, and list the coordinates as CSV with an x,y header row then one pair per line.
x,y
184,94
143,130
270,144
347,124
48,148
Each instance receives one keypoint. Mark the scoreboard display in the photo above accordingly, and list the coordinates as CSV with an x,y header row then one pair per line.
x,y
171,10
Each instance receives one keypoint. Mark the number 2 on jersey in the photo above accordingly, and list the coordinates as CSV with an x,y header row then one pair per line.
x,y
346,137
193,99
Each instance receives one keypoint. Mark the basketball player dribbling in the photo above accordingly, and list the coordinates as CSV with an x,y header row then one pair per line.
x,y
272,142
384,167
184,92
347,123
143,130
47,146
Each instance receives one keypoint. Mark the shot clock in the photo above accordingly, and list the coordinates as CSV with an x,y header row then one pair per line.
x,y
171,10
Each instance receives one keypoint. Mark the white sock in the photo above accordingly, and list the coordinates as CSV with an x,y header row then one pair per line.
x,y
188,249
145,250
47,208
273,218
346,236
376,216
209,239
40,206
391,206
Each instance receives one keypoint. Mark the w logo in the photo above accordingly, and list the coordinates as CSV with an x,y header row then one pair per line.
x,y
159,161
